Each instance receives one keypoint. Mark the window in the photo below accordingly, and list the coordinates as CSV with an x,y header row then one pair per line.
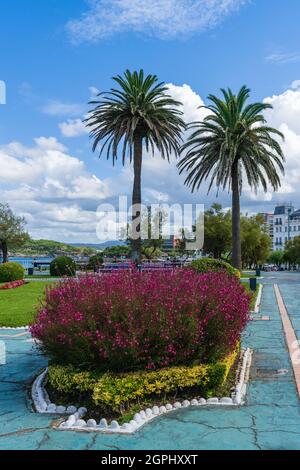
x,y
295,228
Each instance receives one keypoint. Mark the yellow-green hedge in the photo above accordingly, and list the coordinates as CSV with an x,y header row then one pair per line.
x,y
116,391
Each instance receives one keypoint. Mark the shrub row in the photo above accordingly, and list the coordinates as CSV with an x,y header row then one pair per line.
x,y
11,272
115,392
63,266
13,284
149,320
205,265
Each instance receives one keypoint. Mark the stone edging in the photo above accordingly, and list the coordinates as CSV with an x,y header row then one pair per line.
x,y
258,299
76,423
14,328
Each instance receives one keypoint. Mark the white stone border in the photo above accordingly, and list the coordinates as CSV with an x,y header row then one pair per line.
x,y
14,328
76,423
258,299
41,401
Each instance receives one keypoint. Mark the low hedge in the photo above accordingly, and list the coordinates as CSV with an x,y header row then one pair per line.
x,y
11,272
63,266
205,265
115,392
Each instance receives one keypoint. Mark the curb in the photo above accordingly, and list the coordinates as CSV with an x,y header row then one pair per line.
x,y
76,423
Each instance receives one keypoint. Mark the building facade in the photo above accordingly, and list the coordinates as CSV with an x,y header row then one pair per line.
x,y
283,225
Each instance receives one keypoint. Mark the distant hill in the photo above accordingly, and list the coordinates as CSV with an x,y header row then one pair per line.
x,y
46,247
51,247
99,246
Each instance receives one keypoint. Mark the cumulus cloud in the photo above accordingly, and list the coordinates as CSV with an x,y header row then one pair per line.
x,y
53,189
58,108
160,18
73,128
59,196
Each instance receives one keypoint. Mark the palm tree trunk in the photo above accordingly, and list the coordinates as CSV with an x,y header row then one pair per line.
x,y
4,252
137,200
236,215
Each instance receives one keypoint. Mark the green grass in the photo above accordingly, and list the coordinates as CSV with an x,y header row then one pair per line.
x,y
40,276
17,306
248,274
253,294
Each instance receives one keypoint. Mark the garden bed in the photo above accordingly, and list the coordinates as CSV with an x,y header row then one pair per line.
x,y
139,414
12,284
126,341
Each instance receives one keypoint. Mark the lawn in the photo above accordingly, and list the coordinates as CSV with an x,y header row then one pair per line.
x,y
17,305
254,294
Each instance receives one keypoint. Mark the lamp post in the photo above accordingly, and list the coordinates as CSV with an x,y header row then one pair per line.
x,y
289,213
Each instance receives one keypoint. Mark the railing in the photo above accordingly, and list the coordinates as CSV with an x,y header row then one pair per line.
x,y
144,267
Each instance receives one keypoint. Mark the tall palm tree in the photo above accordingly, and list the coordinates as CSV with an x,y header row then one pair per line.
x,y
139,112
232,142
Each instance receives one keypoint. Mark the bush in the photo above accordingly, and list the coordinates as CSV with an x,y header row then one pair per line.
x,y
131,321
62,266
11,272
205,265
114,392
95,261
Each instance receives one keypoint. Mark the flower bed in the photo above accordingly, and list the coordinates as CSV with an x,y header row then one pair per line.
x,y
13,284
133,321
114,393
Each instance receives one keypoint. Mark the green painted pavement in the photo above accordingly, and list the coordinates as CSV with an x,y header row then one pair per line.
x,y
270,419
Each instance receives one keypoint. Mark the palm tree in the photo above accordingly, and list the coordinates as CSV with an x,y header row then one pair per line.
x,y
139,112
231,142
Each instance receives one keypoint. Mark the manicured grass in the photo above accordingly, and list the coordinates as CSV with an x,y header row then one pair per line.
x,y
40,276
254,294
17,305
248,274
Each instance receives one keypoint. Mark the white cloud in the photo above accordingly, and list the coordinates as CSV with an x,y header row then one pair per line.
x,y
282,58
53,189
58,108
94,91
73,128
160,18
59,196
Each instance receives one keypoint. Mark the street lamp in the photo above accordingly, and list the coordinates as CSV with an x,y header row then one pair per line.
x,y
289,213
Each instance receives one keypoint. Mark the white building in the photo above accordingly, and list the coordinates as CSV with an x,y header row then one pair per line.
x,y
283,225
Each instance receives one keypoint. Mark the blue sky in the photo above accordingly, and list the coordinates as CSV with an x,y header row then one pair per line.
x,y
54,53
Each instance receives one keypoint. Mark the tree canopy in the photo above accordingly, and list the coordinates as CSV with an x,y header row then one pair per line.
x,y
12,230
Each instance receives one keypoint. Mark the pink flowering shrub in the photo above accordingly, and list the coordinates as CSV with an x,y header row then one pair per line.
x,y
130,321
13,284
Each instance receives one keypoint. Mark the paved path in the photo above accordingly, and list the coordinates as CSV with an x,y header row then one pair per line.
x,y
270,420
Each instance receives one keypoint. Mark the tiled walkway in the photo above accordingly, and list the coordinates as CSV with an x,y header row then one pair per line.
x,y
270,420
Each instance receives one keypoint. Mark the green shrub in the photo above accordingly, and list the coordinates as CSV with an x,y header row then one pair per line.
x,y
63,266
95,261
114,392
205,265
11,272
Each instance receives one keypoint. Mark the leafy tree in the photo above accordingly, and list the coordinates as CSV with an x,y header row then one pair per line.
x,y
232,140
116,251
95,261
138,112
277,257
153,241
217,231
12,231
255,241
292,251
